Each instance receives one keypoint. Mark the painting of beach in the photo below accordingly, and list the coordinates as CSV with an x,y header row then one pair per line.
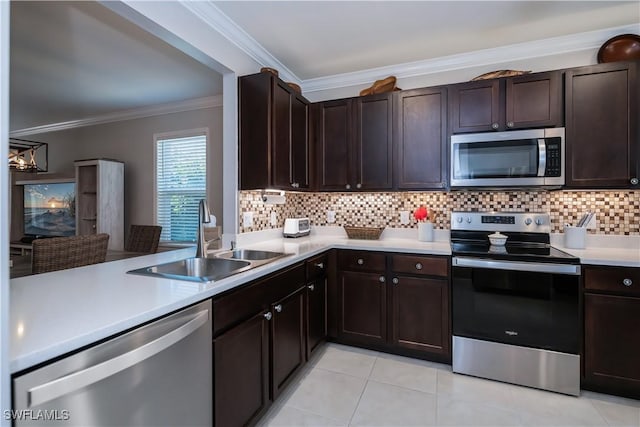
x,y
49,209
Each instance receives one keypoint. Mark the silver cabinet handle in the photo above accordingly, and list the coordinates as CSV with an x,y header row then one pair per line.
x,y
311,287
634,181
278,308
358,185
495,126
320,265
80,379
418,266
268,315
348,186
509,124
382,279
360,261
395,281
627,282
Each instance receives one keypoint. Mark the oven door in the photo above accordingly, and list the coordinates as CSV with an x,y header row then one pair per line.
x,y
526,304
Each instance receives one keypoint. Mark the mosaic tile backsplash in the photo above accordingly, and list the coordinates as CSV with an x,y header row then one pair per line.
x,y
617,212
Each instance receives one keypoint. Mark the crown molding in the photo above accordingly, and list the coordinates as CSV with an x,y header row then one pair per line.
x,y
118,116
520,51
219,21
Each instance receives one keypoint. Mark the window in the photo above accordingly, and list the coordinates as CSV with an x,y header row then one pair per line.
x,y
181,181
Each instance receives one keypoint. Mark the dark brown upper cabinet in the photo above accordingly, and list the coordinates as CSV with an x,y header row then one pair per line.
x,y
354,143
527,101
420,139
274,143
602,132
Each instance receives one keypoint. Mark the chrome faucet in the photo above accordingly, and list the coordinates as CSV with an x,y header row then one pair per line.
x,y
204,217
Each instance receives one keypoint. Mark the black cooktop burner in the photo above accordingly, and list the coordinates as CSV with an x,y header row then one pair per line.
x,y
539,252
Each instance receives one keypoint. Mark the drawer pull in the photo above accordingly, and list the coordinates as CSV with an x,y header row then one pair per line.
x,y
268,315
627,282
381,279
395,280
311,287
278,308
360,261
320,265
418,266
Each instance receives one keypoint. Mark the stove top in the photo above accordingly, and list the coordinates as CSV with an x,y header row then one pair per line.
x,y
528,237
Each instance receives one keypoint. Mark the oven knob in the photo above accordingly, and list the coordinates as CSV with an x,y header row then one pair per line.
x,y
469,219
539,221
460,219
528,221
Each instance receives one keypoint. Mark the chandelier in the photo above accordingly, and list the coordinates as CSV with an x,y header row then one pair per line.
x,y
28,156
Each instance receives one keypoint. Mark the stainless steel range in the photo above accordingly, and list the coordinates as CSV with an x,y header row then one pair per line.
x,y
515,307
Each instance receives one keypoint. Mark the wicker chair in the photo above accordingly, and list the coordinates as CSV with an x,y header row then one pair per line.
x,y
59,253
143,238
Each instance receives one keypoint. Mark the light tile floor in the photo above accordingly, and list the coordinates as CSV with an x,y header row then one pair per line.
x,y
348,386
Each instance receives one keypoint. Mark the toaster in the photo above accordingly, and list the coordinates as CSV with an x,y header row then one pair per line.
x,y
296,227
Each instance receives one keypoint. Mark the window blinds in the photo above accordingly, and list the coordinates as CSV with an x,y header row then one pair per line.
x,y
180,184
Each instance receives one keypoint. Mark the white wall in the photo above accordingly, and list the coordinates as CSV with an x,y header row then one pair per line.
x,y
132,142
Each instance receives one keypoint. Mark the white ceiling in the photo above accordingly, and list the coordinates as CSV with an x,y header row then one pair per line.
x,y
73,60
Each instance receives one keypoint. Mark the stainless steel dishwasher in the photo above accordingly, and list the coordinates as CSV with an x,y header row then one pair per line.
x,y
157,375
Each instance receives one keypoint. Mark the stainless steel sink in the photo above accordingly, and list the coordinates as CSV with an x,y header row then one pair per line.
x,y
196,269
251,255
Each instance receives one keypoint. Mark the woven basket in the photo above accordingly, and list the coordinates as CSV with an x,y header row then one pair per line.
x,y
364,233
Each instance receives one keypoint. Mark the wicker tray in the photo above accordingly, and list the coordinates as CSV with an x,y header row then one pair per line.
x,y
364,233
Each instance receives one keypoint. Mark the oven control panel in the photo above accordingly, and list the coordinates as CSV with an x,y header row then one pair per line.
x,y
532,222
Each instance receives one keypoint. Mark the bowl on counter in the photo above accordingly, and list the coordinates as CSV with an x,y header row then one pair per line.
x,y
498,239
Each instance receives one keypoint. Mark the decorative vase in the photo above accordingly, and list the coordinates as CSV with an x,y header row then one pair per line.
x,y
425,231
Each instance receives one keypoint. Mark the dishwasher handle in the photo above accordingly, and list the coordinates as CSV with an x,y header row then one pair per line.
x,y
69,383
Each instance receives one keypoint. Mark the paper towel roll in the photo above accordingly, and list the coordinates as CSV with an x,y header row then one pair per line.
x,y
274,200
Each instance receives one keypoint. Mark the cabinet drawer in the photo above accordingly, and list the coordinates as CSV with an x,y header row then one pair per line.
x,y
316,267
624,280
245,302
361,261
421,265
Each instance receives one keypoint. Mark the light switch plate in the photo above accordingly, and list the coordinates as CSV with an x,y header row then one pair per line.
x,y
331,217
274,219
404,217
247,219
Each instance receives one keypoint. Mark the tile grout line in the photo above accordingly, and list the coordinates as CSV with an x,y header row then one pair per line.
x,y
366,383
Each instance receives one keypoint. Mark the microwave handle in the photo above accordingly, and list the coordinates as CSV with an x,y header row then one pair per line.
x,y
542,157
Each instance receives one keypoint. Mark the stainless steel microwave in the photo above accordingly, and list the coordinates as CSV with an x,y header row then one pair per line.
x,y
519,158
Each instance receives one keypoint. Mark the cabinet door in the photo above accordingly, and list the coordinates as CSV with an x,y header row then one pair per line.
x,y
372,146
475,106
316,313
281,136
420,314
612,347
299,142
533,100
333,142
288,339
241,373
602,136
421,139
363,307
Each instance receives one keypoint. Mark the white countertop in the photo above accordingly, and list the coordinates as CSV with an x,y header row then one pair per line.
x,y
55,313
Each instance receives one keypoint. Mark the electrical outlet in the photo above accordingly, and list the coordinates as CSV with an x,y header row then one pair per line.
x,y
274,219
331,217
404,217
247,219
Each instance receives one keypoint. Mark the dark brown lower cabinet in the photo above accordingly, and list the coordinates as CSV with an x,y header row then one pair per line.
x,y
420,313
612,343
363,307
316,302
241,374
288,339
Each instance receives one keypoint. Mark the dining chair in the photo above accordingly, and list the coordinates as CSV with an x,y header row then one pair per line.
x,y
143,238
59,253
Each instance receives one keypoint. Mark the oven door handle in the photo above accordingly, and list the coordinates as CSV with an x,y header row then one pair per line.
x,y
539,267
